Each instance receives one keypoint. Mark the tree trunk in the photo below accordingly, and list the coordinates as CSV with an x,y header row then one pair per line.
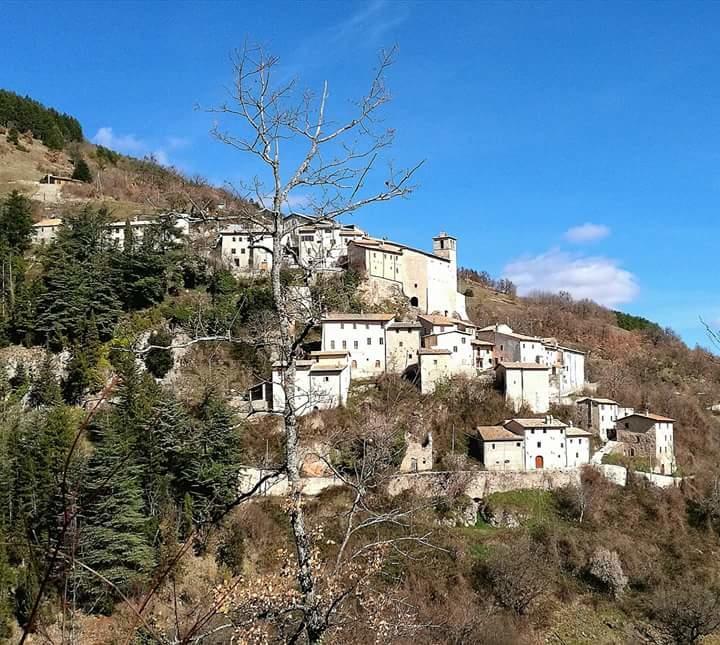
x,y
314,621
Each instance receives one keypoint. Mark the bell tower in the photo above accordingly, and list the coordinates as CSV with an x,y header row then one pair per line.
x,y
445,246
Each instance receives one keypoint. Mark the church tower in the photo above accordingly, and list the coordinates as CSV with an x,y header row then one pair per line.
x,y
445,246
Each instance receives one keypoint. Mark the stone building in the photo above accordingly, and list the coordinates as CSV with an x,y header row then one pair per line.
x,y
428,280
647,437
434,368
45,231
418,454
533,444
402,342
598,414
524,384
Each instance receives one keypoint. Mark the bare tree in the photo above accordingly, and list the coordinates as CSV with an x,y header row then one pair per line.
x,y
301,152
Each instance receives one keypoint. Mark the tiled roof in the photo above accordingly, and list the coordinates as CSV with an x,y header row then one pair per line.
x,y
357,317
597,400
650,416
50,221
405,324
373,244
523,366
437,319
497,433
574,431
538,423
427,350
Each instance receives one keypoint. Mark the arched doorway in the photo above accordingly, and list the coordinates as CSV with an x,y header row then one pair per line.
x,y
414,301
539,462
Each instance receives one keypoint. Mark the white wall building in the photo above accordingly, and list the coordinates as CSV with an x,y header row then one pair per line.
x,y
598,414
245,249
428,280
321,383
484,354
45,231
534,444
459,344
648,436
362,336
525,384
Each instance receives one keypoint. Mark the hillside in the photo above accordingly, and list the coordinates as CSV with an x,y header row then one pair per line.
x,y
125,185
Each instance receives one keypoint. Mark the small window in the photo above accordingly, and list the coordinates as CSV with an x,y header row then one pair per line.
x,y
233,251
327,378
353,364
381,340
577,455
401,343
332,344
454,348
355,344
369,341
539,444
367,326
517,444
354,325
342,325
544,430
344,344
435,361
242,251
462,340
377,363
562,445
492,445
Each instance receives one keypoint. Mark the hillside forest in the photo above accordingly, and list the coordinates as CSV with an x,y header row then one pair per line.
x,y
124,379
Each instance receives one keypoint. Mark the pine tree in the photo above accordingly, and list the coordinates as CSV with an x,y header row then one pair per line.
x,y
113,538
82,171
45,388
159,361
16,222
54,139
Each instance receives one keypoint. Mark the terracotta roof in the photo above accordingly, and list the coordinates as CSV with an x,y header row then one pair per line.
x,y
649,415
475,341
49,221
597,400
373,244
574,431
437,319
404,324
497,433
523,366
538,423
427,350
357,317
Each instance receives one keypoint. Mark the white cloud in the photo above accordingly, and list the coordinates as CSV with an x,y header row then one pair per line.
x,y
586,233
161,157
125,143
597,278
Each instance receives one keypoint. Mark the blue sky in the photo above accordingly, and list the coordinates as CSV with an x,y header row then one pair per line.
x,y
567,145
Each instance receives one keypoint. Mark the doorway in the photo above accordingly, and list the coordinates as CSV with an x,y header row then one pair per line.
x,y
539,462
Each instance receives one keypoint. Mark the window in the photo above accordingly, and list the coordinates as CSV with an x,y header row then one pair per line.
x,y
492,445
416,285
544,430
367,326
369,341
577,455
435,361
353,364
377,363
517,444
234,240
355,344
242,251
332,344
381,340
401,343
327,378
342,325
539,444
237,262
409,354
354,325
344,344
501,347
462,340
233,251
562,445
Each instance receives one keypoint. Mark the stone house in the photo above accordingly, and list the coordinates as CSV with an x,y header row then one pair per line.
x,y
533,444
598,414
428,280
418,454
321,383
647,436
434,368
524,384
484,354
362,336
402,342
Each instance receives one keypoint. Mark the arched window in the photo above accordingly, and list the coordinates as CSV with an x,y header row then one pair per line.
x,y
414,301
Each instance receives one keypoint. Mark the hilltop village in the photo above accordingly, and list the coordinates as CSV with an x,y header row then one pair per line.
x,y
430,342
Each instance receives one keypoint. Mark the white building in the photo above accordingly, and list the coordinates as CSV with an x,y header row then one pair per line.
x,y
484,354
45,231
525,384
598,414
534,444
321,383
245,249
428,280
321,244
459,344
362,336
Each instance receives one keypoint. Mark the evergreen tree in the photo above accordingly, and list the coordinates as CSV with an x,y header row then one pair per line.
x,y
45,388
12,137
54,139
15,223
82,171
159,361
113,539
